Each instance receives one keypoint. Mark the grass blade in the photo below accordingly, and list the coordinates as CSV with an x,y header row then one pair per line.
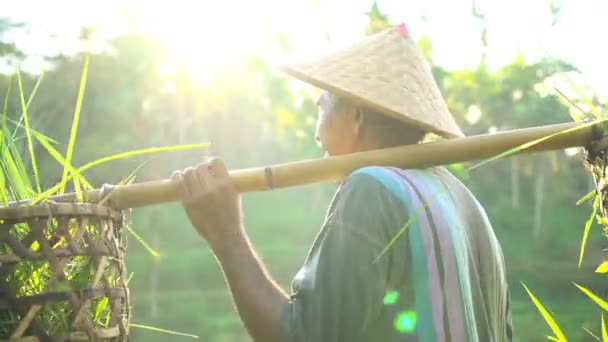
x,y
3,192
596,204
171,332
34,132
550,321
58,186
138,152
407,224
5,106
602,268
586,197
29,101
592,334
55,154
16,171
574,116
28,134
599,301
597,114
604,329
534,142
127,180
142,242
75,120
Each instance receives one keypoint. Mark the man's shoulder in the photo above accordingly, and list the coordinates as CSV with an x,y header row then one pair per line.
x,y
390,177
402,183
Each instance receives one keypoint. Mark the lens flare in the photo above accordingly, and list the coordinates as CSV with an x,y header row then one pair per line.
x,y
391,297
405,322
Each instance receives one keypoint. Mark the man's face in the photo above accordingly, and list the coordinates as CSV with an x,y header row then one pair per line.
x,y
336,129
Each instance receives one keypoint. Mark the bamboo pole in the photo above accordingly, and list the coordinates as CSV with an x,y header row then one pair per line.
x,y
336,168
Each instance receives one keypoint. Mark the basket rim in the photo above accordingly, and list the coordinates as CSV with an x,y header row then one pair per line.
x,y
53,209
46,297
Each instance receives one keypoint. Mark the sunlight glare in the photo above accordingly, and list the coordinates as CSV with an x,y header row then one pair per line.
x,y
204,38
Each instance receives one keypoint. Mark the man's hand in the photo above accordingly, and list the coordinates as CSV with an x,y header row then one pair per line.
x,y
211,201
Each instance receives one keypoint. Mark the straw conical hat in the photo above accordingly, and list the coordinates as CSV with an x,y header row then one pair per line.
x,y
386,72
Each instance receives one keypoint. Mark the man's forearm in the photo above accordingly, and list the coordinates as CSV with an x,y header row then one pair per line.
x,y
258,299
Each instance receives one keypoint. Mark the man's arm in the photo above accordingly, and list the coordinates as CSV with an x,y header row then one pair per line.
x,y
258,299
213,205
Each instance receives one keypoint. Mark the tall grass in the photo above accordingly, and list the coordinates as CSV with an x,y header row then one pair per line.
x,y
17,184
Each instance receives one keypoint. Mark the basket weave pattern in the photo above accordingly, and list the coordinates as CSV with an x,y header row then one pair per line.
x,y
63,273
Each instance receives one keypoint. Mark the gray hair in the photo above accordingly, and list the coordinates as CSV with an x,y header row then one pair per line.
x,y
395,131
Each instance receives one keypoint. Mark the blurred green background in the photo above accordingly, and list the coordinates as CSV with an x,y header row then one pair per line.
x,y
178,73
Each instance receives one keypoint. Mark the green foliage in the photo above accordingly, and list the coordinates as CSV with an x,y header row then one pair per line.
x,y
550,321
252,116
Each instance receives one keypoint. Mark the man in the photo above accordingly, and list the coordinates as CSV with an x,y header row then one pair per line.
x,y
403,255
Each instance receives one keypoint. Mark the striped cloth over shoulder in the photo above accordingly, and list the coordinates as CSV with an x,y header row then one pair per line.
x,y
457,269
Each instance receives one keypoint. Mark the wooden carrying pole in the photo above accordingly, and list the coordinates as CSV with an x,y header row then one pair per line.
x,y
336,168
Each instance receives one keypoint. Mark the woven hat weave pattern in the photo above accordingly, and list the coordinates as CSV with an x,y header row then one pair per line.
x,y
385,72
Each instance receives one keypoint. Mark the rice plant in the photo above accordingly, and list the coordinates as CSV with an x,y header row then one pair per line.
x,y
60,268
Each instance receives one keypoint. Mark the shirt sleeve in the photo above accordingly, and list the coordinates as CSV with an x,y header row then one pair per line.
x,y
339,291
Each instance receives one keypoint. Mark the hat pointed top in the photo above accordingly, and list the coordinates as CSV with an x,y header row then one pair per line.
x,y
386,72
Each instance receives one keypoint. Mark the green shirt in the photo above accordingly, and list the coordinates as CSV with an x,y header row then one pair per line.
x,y
441,279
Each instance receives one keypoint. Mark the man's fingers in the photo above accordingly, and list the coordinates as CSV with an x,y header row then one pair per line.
x,y
182,188
192,181
217,167
203,173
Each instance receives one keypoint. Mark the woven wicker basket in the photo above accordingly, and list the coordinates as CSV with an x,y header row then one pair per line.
x,y
63,275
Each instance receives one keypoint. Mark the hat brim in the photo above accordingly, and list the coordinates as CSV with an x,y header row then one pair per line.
x,y
364,102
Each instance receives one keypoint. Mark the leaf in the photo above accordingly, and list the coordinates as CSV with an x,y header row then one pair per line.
x,y
138,152
5,107
28,134
588,224
171,332
407,224
142,242
58,186
586,197
29,101
602,268
534,142
74,129
599,301
55,154
127,180
101,306
582,95
3,193
34,132
592,334
550,321
604,329
574,116
15,171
